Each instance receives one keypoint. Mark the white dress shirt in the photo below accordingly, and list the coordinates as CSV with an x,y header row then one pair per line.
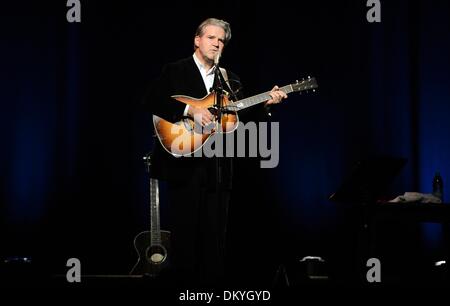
x,y
207,76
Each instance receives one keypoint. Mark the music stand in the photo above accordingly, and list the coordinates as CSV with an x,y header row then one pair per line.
x,y
368,180
360,191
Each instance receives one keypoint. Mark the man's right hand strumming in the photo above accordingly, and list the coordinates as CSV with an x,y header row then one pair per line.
x,y
200,115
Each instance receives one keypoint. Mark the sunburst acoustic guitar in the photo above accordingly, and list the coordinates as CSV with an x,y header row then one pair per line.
x,y
185,137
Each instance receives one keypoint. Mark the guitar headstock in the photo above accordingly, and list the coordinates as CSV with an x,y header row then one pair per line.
x,y
308,84
148,161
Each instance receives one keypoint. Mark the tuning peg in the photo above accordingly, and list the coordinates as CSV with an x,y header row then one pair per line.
x,y
296,81
309,77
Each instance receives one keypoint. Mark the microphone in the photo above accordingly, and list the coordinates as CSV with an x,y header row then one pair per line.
x,y
217,86
216,59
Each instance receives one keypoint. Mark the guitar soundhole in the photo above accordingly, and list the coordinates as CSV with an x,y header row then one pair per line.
x,y
156,254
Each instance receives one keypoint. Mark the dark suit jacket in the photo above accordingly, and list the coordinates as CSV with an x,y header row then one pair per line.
x,y
184,78
181,78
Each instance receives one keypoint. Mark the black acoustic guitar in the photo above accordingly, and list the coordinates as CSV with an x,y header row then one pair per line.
x,y
152,246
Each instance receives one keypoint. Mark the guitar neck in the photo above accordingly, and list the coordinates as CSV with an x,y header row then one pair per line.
x,y
250,101
155,230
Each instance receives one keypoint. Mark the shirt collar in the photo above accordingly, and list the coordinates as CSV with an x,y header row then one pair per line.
x,y
201,67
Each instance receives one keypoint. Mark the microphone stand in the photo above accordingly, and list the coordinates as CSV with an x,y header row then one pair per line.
x,y
222,207
218,106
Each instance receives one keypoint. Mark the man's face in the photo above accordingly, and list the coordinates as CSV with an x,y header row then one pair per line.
x,y
211,42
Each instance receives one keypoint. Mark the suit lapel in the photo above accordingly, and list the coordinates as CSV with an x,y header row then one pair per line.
x,y
198,86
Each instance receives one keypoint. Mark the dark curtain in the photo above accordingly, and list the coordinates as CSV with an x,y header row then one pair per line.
x,y
73,183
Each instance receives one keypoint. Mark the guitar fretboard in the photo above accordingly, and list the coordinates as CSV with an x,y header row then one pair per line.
x,y
155,233
250,101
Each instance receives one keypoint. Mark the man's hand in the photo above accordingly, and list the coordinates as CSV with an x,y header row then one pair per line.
x,y
277,95
200,115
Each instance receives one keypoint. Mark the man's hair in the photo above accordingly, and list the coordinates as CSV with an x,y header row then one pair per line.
x,y
216,22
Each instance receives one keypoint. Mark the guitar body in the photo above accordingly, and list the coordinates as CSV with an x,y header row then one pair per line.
x,y
152,258
185,137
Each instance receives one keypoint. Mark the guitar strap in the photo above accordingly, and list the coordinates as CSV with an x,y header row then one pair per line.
x,y
225,75
227,82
